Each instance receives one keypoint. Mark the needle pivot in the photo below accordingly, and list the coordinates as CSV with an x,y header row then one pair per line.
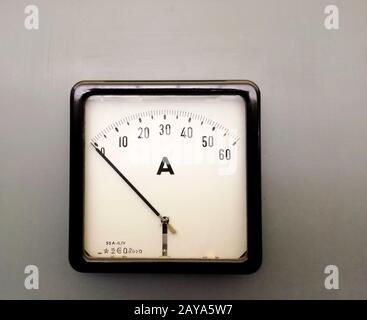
x,y
164,221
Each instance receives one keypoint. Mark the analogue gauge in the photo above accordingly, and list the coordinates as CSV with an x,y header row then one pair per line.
x,y
165,176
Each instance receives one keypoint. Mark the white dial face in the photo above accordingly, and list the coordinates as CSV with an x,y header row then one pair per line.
x,y
165,177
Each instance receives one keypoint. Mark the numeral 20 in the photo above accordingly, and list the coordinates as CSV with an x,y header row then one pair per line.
x,y
143,133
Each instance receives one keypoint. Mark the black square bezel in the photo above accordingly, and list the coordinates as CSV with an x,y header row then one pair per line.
x,y
249,91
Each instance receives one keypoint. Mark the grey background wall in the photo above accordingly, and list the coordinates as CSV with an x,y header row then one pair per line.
x,y
314,134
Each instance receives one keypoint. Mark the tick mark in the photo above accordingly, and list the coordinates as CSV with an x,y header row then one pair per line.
x,y
116,129
140,120
189,119
177,117
105,136
202,122
164,117
96,144
213,128
128,123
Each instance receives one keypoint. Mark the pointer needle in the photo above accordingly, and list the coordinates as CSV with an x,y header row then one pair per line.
x,y
170,227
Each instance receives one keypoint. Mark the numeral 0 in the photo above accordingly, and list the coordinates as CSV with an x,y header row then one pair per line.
x,y
224,154
123,141
143,133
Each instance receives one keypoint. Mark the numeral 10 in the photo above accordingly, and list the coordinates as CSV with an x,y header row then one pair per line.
x,y
123,141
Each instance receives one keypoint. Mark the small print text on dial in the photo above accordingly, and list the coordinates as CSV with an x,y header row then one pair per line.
x,y
119,248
